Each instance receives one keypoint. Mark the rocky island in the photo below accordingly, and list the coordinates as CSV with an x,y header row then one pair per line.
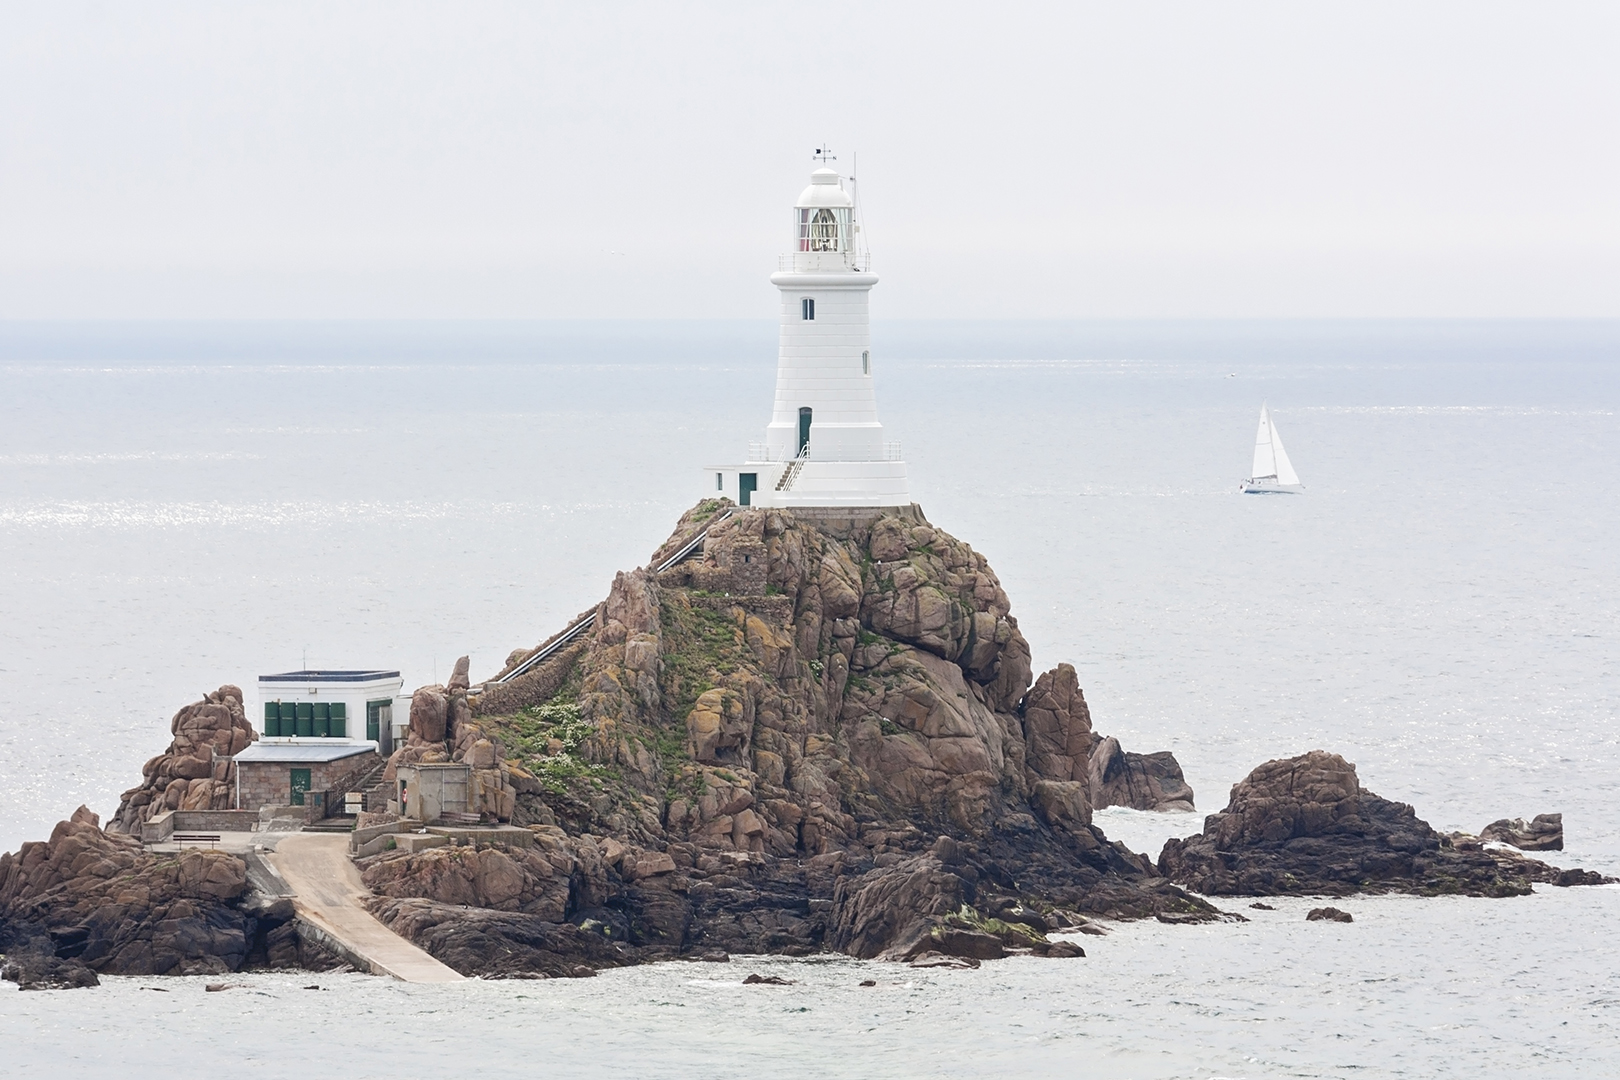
x,y
821,731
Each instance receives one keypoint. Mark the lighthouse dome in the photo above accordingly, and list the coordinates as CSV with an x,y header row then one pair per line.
x,y
824,190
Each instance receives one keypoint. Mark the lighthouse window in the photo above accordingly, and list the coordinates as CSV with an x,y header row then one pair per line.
x,y
824,231
719,481
866,361
807,308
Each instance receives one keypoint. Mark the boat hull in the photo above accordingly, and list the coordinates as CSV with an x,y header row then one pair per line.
x,y
1271,487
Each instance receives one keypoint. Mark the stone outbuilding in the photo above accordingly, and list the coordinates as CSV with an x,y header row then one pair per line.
x,y
283,773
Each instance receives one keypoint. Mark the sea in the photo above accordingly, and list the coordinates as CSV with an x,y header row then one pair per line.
x,y
189,504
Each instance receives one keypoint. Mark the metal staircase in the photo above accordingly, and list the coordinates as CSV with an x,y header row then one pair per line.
x,y
791,473
578,627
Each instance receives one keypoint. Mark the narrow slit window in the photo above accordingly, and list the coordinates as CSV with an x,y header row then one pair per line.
x,y
807,308
719,481
866,361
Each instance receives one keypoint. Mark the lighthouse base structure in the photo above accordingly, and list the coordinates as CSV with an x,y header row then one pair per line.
x,y
809,483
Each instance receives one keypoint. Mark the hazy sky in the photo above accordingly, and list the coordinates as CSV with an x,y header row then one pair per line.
x,y
630,160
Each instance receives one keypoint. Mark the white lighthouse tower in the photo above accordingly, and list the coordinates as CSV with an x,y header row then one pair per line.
x,y
824,445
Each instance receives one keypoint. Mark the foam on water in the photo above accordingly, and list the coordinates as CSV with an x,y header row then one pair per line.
x,y
185,506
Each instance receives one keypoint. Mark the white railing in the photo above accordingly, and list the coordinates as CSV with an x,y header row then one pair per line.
x,y
758,451
805,262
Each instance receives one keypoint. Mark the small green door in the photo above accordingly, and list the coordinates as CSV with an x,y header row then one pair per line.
x,y
374,720
804,428
747,484
300,784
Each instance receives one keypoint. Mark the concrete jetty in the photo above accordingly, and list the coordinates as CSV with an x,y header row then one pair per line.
x,y
329,896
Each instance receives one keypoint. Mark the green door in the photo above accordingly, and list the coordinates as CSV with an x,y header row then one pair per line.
x,y
300,784
747,484
374,720
804,428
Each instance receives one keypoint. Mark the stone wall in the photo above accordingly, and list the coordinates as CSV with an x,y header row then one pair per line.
x,y
268,783
160,828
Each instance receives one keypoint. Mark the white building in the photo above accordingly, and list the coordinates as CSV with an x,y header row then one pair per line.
x,y
351,705
824,445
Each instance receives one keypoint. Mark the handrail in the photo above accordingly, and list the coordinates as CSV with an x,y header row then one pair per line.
x,y
588,620
791,473
551,648
690,547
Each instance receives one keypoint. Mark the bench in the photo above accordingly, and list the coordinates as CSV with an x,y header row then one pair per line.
x,y
184,838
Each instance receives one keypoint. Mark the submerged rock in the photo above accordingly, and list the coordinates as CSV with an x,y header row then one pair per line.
x,y
1305,825
1139,781
1328,914
1545,832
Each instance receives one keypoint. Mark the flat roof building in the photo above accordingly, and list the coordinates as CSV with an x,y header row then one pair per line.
x,y
331,704
324,730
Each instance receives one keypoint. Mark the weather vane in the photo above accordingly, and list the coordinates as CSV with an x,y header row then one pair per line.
x,y
824,154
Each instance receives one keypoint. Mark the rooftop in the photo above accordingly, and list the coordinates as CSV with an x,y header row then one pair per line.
x,y
329,676
319,750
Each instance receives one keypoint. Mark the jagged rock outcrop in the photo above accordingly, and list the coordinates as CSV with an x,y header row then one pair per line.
x,y
1305,825
196,771
442,729
1139,781
89,901
811,701
873,671
1544,832
103,902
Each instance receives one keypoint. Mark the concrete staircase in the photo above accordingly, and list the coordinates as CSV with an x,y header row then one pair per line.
x,y
374,789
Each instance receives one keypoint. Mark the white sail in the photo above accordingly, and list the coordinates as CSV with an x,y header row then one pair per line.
x,y
1285,468
1265,461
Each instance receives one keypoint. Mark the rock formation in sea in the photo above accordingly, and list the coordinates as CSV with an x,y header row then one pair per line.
x,y
196,771
1139,781
91,901
1545,832
1306,826
823,732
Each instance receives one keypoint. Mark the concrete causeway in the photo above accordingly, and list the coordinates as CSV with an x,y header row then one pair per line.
x,y
329,896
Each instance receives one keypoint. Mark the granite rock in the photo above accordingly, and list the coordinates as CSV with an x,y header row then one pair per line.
x,y
1305,826
1140,781
196,771
1544,832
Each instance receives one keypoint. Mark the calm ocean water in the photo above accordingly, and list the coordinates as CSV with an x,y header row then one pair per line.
x,y
186,505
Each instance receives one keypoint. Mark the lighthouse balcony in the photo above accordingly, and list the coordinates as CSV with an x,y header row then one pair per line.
x,y
812,262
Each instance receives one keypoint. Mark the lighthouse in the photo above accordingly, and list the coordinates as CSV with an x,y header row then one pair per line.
x,y
824,445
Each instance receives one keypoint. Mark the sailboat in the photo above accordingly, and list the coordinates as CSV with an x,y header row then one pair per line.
x,y
1273,473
